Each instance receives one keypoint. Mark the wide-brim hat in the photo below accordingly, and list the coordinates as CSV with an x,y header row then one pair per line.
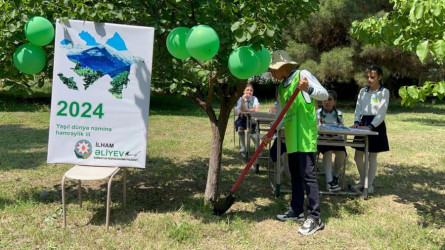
x,y
280,58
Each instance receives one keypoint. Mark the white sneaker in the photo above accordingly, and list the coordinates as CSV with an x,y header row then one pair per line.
x,y
311,226
242,149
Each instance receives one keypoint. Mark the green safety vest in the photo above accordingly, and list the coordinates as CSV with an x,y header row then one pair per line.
x,y
300,121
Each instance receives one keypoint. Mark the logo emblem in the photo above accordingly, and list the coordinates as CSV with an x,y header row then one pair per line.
x,y
83,149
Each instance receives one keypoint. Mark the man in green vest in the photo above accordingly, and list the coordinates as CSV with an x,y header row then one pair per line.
x,y
300,129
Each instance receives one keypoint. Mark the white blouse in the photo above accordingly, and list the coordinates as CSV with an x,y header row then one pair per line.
x,y
252,102
330,118
372,103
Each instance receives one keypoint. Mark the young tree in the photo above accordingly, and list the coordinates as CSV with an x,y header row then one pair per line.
x,y
416,26
237,22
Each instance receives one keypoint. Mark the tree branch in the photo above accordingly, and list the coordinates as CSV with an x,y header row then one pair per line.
x,y
212,85
199,63
208,109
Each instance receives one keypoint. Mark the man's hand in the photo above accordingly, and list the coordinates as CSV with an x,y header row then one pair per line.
x,y
266,139
303,84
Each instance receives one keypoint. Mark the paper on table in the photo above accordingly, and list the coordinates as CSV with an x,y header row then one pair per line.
x,y
341,128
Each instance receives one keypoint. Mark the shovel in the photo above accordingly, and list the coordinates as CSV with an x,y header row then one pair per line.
x,y
222,205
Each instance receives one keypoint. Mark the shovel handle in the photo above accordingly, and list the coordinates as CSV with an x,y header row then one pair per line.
x,y
262,145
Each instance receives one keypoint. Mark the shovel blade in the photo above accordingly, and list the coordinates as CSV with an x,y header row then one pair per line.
x,y
222,205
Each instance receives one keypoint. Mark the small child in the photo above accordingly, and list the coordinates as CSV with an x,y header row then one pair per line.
x,y
330,115
247,103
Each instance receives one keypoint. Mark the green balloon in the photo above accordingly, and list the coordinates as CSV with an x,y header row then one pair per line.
x,y
29,58
39,31
202,42
176,42
264,56
243,62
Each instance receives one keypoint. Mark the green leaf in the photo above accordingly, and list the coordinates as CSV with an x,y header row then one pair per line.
x,y
402,92
12,28
419,11
397,40
403,102
440,87
422,96
314,5
252,28
235,26
437,10
413,92
438,49
422,50
240,36
411,15
173,86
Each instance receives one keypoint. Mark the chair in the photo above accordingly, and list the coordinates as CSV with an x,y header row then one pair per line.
x,y
262,121
281,166
79,172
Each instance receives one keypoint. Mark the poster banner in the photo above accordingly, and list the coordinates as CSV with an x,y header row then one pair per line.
x,y
100,94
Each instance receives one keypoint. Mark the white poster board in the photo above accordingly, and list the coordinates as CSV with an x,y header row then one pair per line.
x,y
100,94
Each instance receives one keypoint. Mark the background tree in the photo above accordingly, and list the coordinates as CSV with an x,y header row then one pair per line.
x,y
209,84
323,44
416,26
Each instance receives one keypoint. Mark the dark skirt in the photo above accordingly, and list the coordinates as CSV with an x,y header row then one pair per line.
x,y
242,122
377,143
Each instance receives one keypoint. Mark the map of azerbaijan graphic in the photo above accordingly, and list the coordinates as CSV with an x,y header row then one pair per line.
x,y
94,60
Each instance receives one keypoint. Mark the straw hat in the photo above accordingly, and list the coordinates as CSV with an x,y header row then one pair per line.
x,y
280,58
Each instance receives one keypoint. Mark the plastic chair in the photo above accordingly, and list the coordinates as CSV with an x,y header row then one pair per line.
x,y
79,172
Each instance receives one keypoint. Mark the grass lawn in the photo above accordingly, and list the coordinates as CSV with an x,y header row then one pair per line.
x,y
165,208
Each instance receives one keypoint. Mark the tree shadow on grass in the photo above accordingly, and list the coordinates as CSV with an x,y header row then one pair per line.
x,y
22,147
427,121
165,186
417,185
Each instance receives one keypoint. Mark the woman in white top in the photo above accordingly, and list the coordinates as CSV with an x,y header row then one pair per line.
x,y
330,115
370,112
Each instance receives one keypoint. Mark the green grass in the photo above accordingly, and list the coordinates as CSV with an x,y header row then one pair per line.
x,y
165,207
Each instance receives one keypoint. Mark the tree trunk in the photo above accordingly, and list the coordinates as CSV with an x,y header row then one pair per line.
x,y
218,132
211,192
227,96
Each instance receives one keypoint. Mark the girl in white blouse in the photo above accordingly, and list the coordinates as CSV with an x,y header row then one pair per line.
x,y
370,112
247,103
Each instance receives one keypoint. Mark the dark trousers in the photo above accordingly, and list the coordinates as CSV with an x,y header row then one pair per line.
x,y
302,170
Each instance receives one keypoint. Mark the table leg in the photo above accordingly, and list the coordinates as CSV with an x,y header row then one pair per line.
x,y
365,188
257,144
278,167
248,137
